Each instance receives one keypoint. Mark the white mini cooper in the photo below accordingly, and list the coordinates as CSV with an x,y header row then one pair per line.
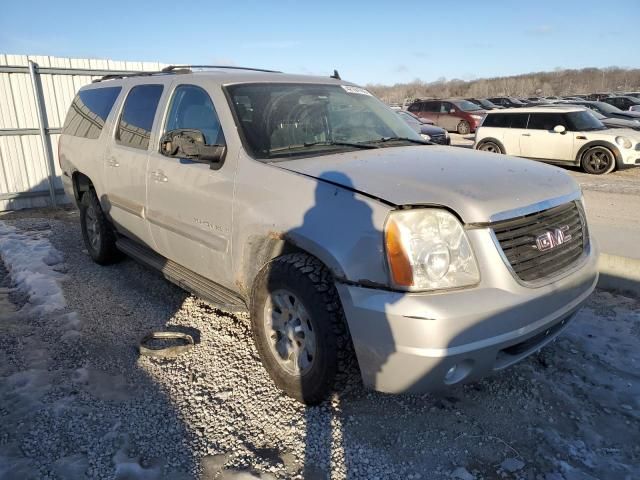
x,y
566,135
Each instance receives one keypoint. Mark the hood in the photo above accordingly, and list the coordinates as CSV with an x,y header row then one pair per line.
x,y
624,131
476,185
629,114
432,130
620,123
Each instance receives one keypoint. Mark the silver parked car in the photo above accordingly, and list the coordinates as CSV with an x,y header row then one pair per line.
x,y
310,204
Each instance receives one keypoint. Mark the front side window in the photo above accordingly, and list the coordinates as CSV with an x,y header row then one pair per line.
x,y
136,120
445,107
285,120
89,111
192,108
546,121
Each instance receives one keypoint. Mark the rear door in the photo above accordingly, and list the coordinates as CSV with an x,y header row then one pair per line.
x,y
125,167
516,127
189,204
540,141
430,110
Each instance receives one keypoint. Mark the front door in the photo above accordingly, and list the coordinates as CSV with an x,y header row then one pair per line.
x,y
189,204
125,164
539,140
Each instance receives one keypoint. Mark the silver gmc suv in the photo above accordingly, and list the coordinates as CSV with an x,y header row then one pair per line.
x,y
310,204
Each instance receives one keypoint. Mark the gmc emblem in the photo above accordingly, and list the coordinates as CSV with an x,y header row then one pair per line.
x,y
552,238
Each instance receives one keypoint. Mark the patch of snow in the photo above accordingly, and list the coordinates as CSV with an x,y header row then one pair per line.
x,y
33,265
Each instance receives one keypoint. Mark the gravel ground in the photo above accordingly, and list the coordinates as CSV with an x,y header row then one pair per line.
x,y
77,401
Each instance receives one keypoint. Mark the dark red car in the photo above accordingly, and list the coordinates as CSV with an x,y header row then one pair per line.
x,y
459,116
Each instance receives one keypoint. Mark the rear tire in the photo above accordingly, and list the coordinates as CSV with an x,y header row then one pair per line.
x,y
598,160
464,128
490,147
298,326
97,232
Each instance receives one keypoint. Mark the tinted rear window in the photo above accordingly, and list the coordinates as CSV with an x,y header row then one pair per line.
x,y
89,111
134,127
506,120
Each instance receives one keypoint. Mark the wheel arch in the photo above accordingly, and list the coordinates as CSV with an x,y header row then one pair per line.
x,y
260,250
81,184
600,143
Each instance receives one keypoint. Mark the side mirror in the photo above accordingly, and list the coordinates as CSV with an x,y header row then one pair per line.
x,y
190,145
559,129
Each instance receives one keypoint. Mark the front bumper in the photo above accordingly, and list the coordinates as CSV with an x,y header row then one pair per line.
x,y
411,342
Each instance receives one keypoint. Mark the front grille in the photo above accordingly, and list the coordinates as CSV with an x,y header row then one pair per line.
x,y
543,244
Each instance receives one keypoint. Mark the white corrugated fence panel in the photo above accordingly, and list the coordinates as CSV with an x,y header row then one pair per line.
x,y
23,165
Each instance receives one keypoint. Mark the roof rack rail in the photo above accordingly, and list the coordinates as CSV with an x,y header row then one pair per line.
x,y
177,68
114,76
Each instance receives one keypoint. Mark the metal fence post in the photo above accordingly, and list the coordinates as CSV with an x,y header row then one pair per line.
x,y
42,126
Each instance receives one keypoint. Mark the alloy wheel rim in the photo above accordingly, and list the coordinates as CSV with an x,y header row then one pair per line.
x,y
290,333
599,160
93,231
490,148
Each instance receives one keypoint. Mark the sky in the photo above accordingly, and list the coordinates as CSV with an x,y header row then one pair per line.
x,y
373,42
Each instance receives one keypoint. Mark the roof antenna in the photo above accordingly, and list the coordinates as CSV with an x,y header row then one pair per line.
x,y
335,75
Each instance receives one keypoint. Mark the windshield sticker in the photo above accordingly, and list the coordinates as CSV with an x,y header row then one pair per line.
x,y
351,89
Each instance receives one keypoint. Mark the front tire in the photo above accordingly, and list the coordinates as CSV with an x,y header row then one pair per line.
x,y
598,161
97,232
464,128
490,147
298,326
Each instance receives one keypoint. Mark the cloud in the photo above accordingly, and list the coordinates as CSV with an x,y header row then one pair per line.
x,y
421,54
540,30
273,44
401,69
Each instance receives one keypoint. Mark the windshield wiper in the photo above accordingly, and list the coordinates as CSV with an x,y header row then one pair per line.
x,y
342,144
321,144
399,139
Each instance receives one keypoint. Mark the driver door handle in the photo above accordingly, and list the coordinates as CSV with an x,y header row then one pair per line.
x,y
159,176
526,134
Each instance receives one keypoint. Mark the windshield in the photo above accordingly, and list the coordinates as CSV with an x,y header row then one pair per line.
x,y
584,121
604,107
283,120
467,106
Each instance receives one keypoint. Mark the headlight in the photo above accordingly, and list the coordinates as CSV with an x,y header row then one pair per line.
x,y
477,117
623,142
427,249
425,137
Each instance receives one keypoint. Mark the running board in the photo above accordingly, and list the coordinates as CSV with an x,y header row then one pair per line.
x,y
186,279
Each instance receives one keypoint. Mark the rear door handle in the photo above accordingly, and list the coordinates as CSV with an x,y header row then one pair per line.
x,y
526,134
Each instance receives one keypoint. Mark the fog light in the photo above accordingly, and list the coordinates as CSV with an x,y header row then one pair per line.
x,y
451,374
458,372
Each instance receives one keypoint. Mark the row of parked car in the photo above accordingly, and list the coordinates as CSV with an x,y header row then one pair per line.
x,y
464,116
592,134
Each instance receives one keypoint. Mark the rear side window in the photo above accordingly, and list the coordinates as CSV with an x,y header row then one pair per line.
x,y
89,111
506,120
431,107
546,121
192,108
136,121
